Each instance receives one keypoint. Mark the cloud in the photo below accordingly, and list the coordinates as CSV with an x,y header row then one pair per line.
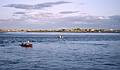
x,y
11,20
37,15
32,17
58,18
78,19
40,15
36,6
19,12
19,6
82,21
115,18
68,12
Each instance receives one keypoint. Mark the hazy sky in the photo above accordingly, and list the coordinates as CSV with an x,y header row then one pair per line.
x,y
52,14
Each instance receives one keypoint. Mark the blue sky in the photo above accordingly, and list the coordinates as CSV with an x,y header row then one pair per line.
x,y
53,14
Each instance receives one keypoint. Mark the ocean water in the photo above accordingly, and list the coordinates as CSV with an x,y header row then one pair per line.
x,y
74,51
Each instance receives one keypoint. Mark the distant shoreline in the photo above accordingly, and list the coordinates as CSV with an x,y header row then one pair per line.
x,y
73,30
78,32
62,32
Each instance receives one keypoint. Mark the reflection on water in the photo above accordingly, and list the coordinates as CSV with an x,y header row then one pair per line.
x,y
75,51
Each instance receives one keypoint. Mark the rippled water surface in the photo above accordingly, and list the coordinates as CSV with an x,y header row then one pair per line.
x,y
75,51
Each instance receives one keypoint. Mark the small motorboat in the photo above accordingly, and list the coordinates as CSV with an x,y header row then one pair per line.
x,y
60,36
27,45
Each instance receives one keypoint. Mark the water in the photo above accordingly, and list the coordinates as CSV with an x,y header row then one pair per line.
x,y
74,51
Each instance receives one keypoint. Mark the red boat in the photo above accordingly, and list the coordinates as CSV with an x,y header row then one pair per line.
x,y
27,45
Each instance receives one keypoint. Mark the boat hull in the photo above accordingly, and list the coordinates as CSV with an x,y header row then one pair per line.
x,y
26,45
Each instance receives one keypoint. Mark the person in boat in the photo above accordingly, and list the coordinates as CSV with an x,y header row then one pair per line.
x,y
28,44
60,36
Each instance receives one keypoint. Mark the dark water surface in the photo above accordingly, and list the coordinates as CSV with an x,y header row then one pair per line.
x,y
75,51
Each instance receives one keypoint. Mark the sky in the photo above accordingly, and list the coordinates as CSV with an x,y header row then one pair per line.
x,y
57,14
